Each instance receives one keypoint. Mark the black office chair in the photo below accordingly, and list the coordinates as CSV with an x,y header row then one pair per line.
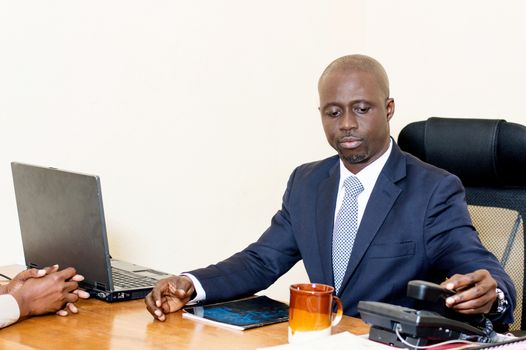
x,y
489,157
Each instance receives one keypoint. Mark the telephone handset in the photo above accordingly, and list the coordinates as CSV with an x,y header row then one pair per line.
x,y
390,323
436,295
427,291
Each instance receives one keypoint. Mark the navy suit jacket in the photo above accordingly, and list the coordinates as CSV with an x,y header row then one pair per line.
x,y
416,226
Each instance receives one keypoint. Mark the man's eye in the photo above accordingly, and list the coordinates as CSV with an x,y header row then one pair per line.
x,y
333,113
362,109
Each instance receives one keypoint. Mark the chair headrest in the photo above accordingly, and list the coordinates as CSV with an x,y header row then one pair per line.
x,y
481,152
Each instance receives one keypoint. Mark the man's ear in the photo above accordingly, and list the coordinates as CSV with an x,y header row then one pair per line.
x,y
390,108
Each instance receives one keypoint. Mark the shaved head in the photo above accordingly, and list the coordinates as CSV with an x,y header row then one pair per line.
x,y
355,109
360,63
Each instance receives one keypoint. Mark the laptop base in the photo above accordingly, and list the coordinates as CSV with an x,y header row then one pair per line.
x,y
115,296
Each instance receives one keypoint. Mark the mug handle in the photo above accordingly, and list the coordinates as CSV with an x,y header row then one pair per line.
x,y
337,317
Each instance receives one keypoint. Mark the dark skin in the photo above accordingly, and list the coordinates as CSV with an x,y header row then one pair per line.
x,y
355,111
476,292
44,291
169,295
355,114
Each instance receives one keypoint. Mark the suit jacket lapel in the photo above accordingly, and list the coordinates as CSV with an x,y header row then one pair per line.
x,y
382,199
325,208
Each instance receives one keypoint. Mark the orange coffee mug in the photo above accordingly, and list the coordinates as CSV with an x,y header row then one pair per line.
x,y
311,311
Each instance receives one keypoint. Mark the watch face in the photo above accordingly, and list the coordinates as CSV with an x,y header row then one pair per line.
x,y
502,303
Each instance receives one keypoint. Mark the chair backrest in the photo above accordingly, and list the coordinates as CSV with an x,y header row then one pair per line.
x,y
489,157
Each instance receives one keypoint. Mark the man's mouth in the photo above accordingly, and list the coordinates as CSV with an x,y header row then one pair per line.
x,y
350,142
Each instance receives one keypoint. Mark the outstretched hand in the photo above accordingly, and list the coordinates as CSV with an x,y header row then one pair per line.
x,y
169,295
475,292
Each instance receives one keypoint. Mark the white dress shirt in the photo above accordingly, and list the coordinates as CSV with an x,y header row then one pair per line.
x,y
367,177
199,290
9,310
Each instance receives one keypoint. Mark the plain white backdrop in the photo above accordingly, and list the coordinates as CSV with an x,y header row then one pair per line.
x,y
195,113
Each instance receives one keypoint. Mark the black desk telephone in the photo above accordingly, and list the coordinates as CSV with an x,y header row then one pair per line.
x,y
390,323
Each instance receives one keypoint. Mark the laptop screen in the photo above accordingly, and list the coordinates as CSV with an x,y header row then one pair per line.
x,y
62,221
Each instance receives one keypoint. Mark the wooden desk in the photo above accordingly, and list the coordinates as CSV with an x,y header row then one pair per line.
x,y
127,325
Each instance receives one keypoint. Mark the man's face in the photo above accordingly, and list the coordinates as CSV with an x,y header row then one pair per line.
x,y
355,112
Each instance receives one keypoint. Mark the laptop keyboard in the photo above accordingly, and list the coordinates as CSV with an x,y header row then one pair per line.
x,y
125,279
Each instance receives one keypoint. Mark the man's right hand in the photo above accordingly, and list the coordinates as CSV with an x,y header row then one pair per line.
x,y
169,295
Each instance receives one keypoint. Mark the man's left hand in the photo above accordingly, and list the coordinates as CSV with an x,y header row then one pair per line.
x,y
475,292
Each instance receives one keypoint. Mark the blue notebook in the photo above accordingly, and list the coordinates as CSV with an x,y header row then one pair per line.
x,y
241,314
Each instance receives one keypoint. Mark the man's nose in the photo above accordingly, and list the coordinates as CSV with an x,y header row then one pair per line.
x,y
348,121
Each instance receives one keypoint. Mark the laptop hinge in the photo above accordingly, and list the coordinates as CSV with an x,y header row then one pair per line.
x,y
100,286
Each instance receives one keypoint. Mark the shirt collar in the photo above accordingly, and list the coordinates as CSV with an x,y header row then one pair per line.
x,y
370,173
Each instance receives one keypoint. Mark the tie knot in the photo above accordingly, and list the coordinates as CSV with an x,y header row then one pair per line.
x,y
353,186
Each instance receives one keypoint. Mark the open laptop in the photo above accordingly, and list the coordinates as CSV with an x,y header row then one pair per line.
x,y
62,222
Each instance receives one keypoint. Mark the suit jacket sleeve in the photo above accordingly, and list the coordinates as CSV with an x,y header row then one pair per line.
x,y
453,245
257,266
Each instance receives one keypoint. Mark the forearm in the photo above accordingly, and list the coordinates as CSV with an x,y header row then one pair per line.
x,y
254,268
257,266
453,245
242,274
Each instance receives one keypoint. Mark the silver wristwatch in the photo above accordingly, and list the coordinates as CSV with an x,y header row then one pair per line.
x,y
502,302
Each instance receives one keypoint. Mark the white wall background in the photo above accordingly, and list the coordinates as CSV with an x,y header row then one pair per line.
x,y
194,113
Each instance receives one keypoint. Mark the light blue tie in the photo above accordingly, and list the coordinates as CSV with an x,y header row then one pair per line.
x,y
345,229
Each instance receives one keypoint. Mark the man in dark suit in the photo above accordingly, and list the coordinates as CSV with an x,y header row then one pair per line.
x,y
411,218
